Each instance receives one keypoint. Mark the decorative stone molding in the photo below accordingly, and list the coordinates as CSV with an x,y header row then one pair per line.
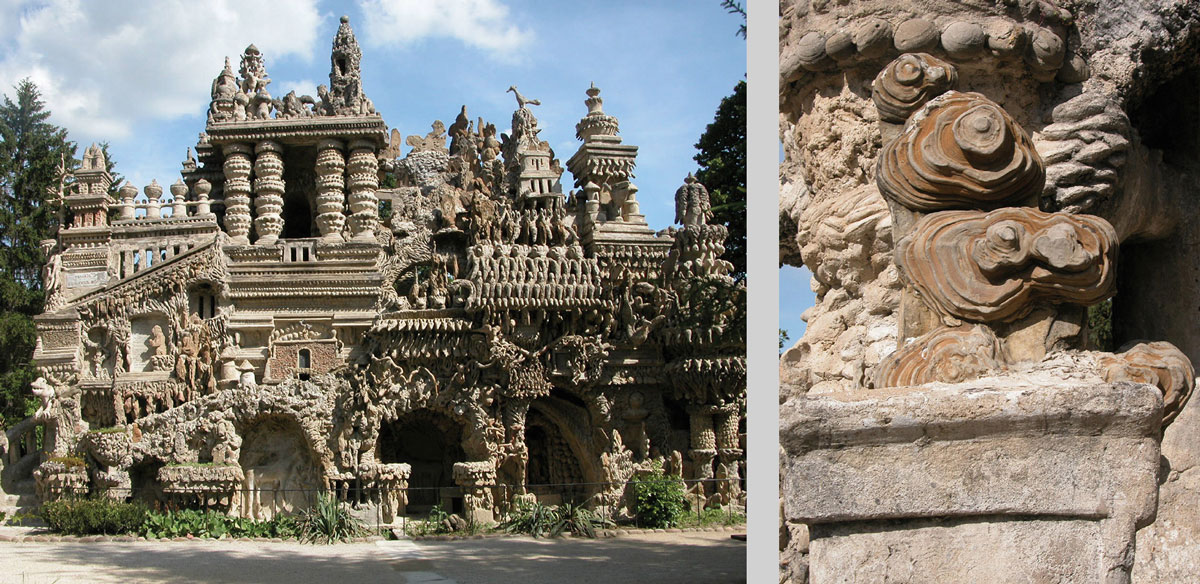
x,y
944,355
1159,364
961,151
908,83
989,267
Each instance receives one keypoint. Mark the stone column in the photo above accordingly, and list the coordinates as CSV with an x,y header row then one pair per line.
x,y
331,190
237,192
268,192
729,454
704,445
363,169
477,479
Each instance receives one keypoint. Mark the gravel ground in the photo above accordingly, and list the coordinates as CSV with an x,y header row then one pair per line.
x,y
687,557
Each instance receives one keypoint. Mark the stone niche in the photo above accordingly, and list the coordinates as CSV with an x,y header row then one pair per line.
x,y
148,333
1003,481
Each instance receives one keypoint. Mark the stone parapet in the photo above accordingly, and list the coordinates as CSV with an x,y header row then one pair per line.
x,y
996,480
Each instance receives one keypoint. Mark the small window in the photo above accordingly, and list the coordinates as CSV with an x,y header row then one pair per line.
x,y
304,363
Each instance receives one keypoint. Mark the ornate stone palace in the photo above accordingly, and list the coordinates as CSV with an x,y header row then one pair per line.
x,y
282,322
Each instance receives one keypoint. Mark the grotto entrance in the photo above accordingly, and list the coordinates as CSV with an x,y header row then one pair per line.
x,y
431,443
555,470
282,474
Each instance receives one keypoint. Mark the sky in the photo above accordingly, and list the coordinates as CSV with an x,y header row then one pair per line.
x,y
137,73
795,296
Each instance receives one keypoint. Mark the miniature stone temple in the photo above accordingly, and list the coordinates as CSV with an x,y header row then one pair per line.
x,y
278,322
964,184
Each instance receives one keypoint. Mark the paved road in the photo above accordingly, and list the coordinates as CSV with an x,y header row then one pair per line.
x,y
669,558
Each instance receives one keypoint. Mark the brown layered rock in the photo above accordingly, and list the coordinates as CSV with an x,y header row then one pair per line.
x,y
946,355
908,83
961,151
1160,364
995,267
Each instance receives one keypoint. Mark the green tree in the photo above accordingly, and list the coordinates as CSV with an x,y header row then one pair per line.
x,y
31,151
722,160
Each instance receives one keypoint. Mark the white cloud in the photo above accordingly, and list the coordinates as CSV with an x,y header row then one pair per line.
x,y
102,66
478,23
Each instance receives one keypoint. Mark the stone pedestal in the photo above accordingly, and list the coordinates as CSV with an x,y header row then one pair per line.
x,y
1002,482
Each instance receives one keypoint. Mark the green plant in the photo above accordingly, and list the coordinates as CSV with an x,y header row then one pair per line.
x,y
713,516
328,521
93,516
658,498
437,522
213,524
577,520
533,518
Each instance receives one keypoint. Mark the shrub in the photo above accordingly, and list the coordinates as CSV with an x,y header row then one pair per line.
x,y
93,516
533,518
577,520
328,521
658,499
212,524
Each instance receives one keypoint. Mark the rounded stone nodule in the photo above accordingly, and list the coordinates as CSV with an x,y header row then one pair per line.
x,y
915,35
964,40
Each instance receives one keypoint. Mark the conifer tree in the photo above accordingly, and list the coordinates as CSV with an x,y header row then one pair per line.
x,y
31,153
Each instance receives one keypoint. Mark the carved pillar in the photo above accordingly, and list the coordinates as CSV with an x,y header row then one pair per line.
x,y
237,192
477,478
128,194
363,169
179,199
268,192
729,454
203,207
331,190
153,203
704,445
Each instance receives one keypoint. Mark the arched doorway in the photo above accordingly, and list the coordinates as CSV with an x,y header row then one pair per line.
x,y
282,474
430,443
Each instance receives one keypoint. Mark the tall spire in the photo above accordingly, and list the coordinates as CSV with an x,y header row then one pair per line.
x,y
346,97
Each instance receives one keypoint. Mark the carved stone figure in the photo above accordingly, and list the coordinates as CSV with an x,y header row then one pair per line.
x,y
692,206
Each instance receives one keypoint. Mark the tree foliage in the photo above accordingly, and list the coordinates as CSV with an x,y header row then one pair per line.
x,y
722,160
31,152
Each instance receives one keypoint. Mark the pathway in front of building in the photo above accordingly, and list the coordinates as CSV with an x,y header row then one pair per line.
x,y
691,558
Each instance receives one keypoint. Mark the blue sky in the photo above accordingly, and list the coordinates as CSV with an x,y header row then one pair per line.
x,y
795,296
137,73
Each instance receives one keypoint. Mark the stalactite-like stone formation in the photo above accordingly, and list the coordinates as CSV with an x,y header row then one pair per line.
x,y
364,181
908,83
1159,364
237,169
961,151
946,355
268,192
990,267
331,185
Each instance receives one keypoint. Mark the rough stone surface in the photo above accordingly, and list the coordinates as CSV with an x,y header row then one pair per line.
x,y
1101,89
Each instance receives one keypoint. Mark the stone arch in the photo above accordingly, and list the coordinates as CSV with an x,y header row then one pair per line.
x,y
283,472
552,422
430,442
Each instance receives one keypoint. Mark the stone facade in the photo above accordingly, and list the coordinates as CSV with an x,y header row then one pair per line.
x,y
282,324
964,180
